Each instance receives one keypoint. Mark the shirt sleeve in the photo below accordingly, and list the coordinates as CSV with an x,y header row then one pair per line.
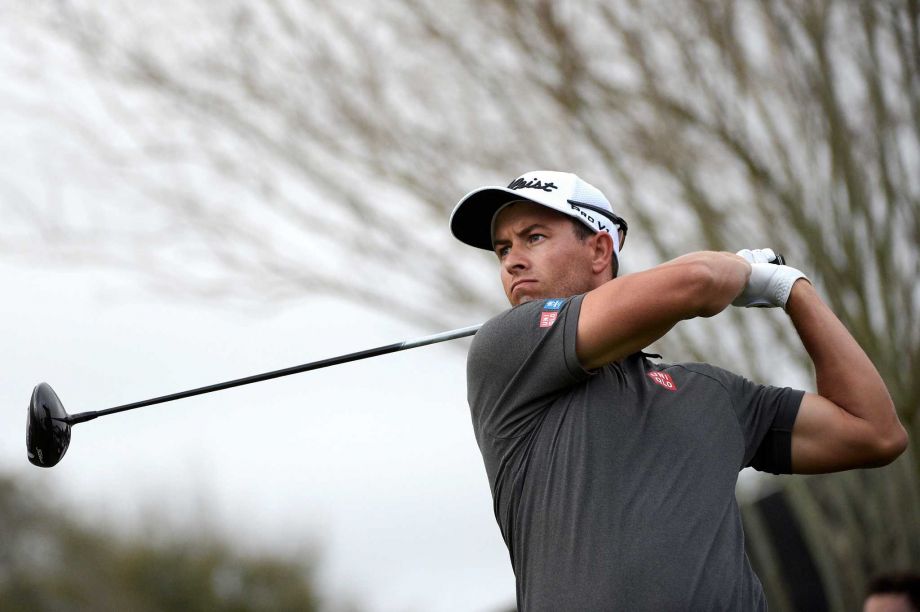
x,y
766,415
519,362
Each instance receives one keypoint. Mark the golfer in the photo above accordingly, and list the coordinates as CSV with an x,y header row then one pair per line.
x,y
613,475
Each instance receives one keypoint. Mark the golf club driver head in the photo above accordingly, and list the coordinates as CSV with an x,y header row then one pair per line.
x,y
47,429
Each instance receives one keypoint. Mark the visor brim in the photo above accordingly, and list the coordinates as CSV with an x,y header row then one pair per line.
x,y
471,220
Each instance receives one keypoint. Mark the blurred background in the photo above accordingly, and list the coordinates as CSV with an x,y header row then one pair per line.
x,y
197,191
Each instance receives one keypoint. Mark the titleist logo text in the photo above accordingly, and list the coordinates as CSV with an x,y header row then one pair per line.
x,y
532,184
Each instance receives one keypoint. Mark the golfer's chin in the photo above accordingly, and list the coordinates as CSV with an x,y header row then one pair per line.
x,y
521,295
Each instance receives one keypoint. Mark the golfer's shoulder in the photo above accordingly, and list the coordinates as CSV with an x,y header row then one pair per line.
x,y
505,325
514,329
531,320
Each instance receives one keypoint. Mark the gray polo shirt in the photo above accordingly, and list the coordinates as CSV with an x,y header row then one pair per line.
x,y
615,489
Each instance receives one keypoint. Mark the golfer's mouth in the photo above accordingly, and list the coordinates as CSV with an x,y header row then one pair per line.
x,y
522,282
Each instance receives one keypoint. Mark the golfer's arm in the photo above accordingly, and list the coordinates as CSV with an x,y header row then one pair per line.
x,y
628,313
851,422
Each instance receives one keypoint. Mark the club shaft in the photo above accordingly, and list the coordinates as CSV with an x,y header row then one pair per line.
x,y
314,365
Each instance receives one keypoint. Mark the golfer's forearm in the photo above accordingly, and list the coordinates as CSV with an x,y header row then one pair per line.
x,y
730,275
718,279
843,372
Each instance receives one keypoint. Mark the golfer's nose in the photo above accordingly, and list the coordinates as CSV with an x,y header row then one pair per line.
x,y
515,261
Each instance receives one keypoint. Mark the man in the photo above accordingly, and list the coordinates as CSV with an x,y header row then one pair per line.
x,y
894,593
613,476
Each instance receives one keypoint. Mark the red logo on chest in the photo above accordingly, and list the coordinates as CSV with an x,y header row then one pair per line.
x,y
663,379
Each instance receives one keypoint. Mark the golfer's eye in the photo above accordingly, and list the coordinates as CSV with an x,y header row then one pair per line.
x,y
535,237
502,251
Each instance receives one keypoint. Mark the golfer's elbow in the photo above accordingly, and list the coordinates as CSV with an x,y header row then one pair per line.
x,y
889,445
884,442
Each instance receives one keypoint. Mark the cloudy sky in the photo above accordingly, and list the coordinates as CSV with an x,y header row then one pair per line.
x,y
372,465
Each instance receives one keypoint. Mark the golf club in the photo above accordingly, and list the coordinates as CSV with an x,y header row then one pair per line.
x,y
48,424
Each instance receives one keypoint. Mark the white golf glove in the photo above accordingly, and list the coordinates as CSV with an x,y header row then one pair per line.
x,y
770,283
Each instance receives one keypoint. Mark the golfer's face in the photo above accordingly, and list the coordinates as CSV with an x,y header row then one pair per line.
x,y
540,255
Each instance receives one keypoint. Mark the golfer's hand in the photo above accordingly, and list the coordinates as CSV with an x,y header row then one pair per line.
x,y
760,256
770,283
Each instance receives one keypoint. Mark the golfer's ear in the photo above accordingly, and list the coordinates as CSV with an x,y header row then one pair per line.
x,y
603,251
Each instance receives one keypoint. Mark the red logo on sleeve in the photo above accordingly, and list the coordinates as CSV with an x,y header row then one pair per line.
x,y
548,317
663,379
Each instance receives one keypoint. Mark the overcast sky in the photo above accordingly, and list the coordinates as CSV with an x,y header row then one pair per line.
x,y
373,462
